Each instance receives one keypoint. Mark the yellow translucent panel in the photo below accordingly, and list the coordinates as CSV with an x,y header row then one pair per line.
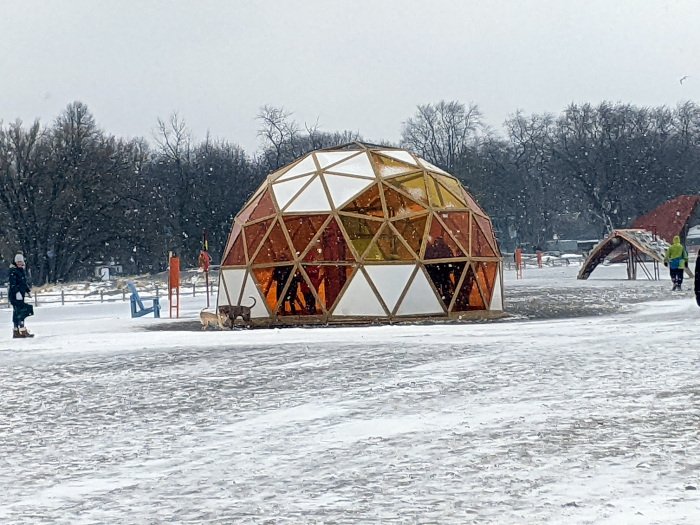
x,y
388,247
360,232
412,230
413,184
398,205
450,200
433,193
451,184
387,167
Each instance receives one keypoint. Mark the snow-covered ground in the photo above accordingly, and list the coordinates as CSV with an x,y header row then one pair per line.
x,y
584,407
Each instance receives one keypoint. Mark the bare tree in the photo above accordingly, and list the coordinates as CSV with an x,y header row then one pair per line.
x,y
441,133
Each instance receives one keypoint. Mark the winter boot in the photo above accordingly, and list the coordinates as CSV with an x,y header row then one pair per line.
x,y
15,333
25,332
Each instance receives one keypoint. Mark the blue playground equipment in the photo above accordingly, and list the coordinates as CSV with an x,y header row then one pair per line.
x,y
137,307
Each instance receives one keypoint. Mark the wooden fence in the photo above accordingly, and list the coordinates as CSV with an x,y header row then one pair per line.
x,y
107,295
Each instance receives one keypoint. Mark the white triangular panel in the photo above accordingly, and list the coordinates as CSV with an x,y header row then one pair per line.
x,y
305,166
342,188
403,156
390,280
251,291
431,167
313,198
359,299
359,165
233,281
326,158
497,297
284,191
420,298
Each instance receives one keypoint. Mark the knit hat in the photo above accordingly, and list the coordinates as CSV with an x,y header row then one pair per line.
x,y
19,258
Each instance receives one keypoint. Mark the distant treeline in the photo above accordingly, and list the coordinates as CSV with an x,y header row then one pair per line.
x,y
72,195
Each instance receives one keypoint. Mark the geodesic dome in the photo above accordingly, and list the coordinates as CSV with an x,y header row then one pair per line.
x,y
361,232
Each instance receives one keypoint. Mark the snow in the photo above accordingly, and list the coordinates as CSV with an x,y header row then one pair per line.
x,y
584,407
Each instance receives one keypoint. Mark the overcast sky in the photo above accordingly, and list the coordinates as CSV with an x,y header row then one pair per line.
x,y
353,65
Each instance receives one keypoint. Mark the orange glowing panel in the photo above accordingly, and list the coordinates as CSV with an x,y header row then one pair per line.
x,y
398,205
329,246
388,247
445,277
254,234
486,277
367,203
481,247
468,297
413,231
487,230
264,208
440,243
458,225
275,247
236,256
302,228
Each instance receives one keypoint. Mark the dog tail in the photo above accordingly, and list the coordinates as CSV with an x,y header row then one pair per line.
x,y
254,301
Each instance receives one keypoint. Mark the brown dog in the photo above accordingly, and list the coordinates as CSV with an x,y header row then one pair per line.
x,y
233,311
211,319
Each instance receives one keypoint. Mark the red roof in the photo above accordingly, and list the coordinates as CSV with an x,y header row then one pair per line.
x,y
670,218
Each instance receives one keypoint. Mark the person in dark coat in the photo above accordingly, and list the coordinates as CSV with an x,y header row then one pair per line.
x,y
17,292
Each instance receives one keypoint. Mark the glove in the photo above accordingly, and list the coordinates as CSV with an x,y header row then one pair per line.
x,y
18,296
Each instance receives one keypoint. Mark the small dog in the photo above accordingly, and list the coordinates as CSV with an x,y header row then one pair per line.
x,y
211,319
231,312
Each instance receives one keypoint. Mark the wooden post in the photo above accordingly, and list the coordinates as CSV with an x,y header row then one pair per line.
x,y
174,286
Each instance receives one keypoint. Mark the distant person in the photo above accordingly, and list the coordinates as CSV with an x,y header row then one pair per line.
x,y
676,259
697,279
17,292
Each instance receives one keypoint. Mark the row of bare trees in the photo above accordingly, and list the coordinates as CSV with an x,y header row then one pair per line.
x,y
72,195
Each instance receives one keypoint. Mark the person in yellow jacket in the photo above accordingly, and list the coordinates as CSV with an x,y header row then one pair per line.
x,y
676,259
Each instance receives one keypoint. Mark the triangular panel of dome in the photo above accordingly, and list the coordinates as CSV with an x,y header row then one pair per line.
x,y
400,155
399,205
445,277
481,247
251,297
469,296
312,280
390,280
359,165
440,243
420,298
486,275
329,246
486,229
343,188
275,247
457,222
367,203
272,282
328,281
449,199
254,235
387,167
285,191
264,208
497,297
360,231
312,198
326,158
413,184
263,276
431,167
440,197
388,246
232,281
303,228
359,299
294,302
236,255
412,230
306,165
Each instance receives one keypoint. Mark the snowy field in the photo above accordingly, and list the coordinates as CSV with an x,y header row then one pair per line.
x,y
583,407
